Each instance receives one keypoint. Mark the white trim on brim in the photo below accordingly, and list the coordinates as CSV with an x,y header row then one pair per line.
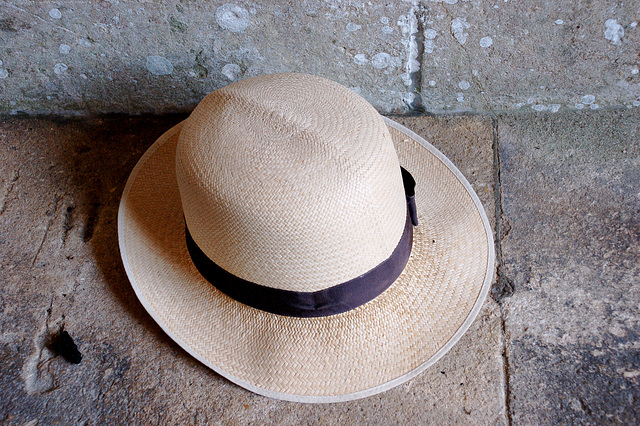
x,y
331,398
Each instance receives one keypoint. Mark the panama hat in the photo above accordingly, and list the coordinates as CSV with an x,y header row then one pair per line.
x,y
300,244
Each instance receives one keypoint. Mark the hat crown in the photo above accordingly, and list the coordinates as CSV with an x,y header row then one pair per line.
x,y
290,181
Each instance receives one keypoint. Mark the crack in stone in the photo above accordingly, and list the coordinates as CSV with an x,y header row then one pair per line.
x,y
503,287
41,19
412,26
497,183
50,213
421,15
8,190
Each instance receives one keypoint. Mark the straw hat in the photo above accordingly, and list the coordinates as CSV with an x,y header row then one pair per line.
x,y
270,235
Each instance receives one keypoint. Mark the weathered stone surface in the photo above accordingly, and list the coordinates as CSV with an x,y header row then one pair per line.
x,y
134,57
60,185
571,249
440,55
504,55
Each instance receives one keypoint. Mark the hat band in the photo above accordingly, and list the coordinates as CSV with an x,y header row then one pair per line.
x,y
330,301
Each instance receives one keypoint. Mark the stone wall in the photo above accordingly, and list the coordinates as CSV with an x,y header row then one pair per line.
x,y
403,56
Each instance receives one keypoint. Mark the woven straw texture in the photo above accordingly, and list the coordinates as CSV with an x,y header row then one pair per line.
x,y
346,356
294,193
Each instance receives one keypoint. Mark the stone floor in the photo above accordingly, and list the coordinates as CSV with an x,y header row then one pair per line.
x,y
558,341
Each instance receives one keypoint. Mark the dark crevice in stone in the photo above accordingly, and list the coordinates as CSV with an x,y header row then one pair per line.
x,y
497,183
67,222
502,285
92,219
62,343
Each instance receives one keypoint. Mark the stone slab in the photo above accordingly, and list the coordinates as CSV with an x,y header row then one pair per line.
x,y
481,55
136,57
60,185
571,251
403,55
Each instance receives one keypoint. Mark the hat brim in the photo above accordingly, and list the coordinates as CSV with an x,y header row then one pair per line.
x,y
368,350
